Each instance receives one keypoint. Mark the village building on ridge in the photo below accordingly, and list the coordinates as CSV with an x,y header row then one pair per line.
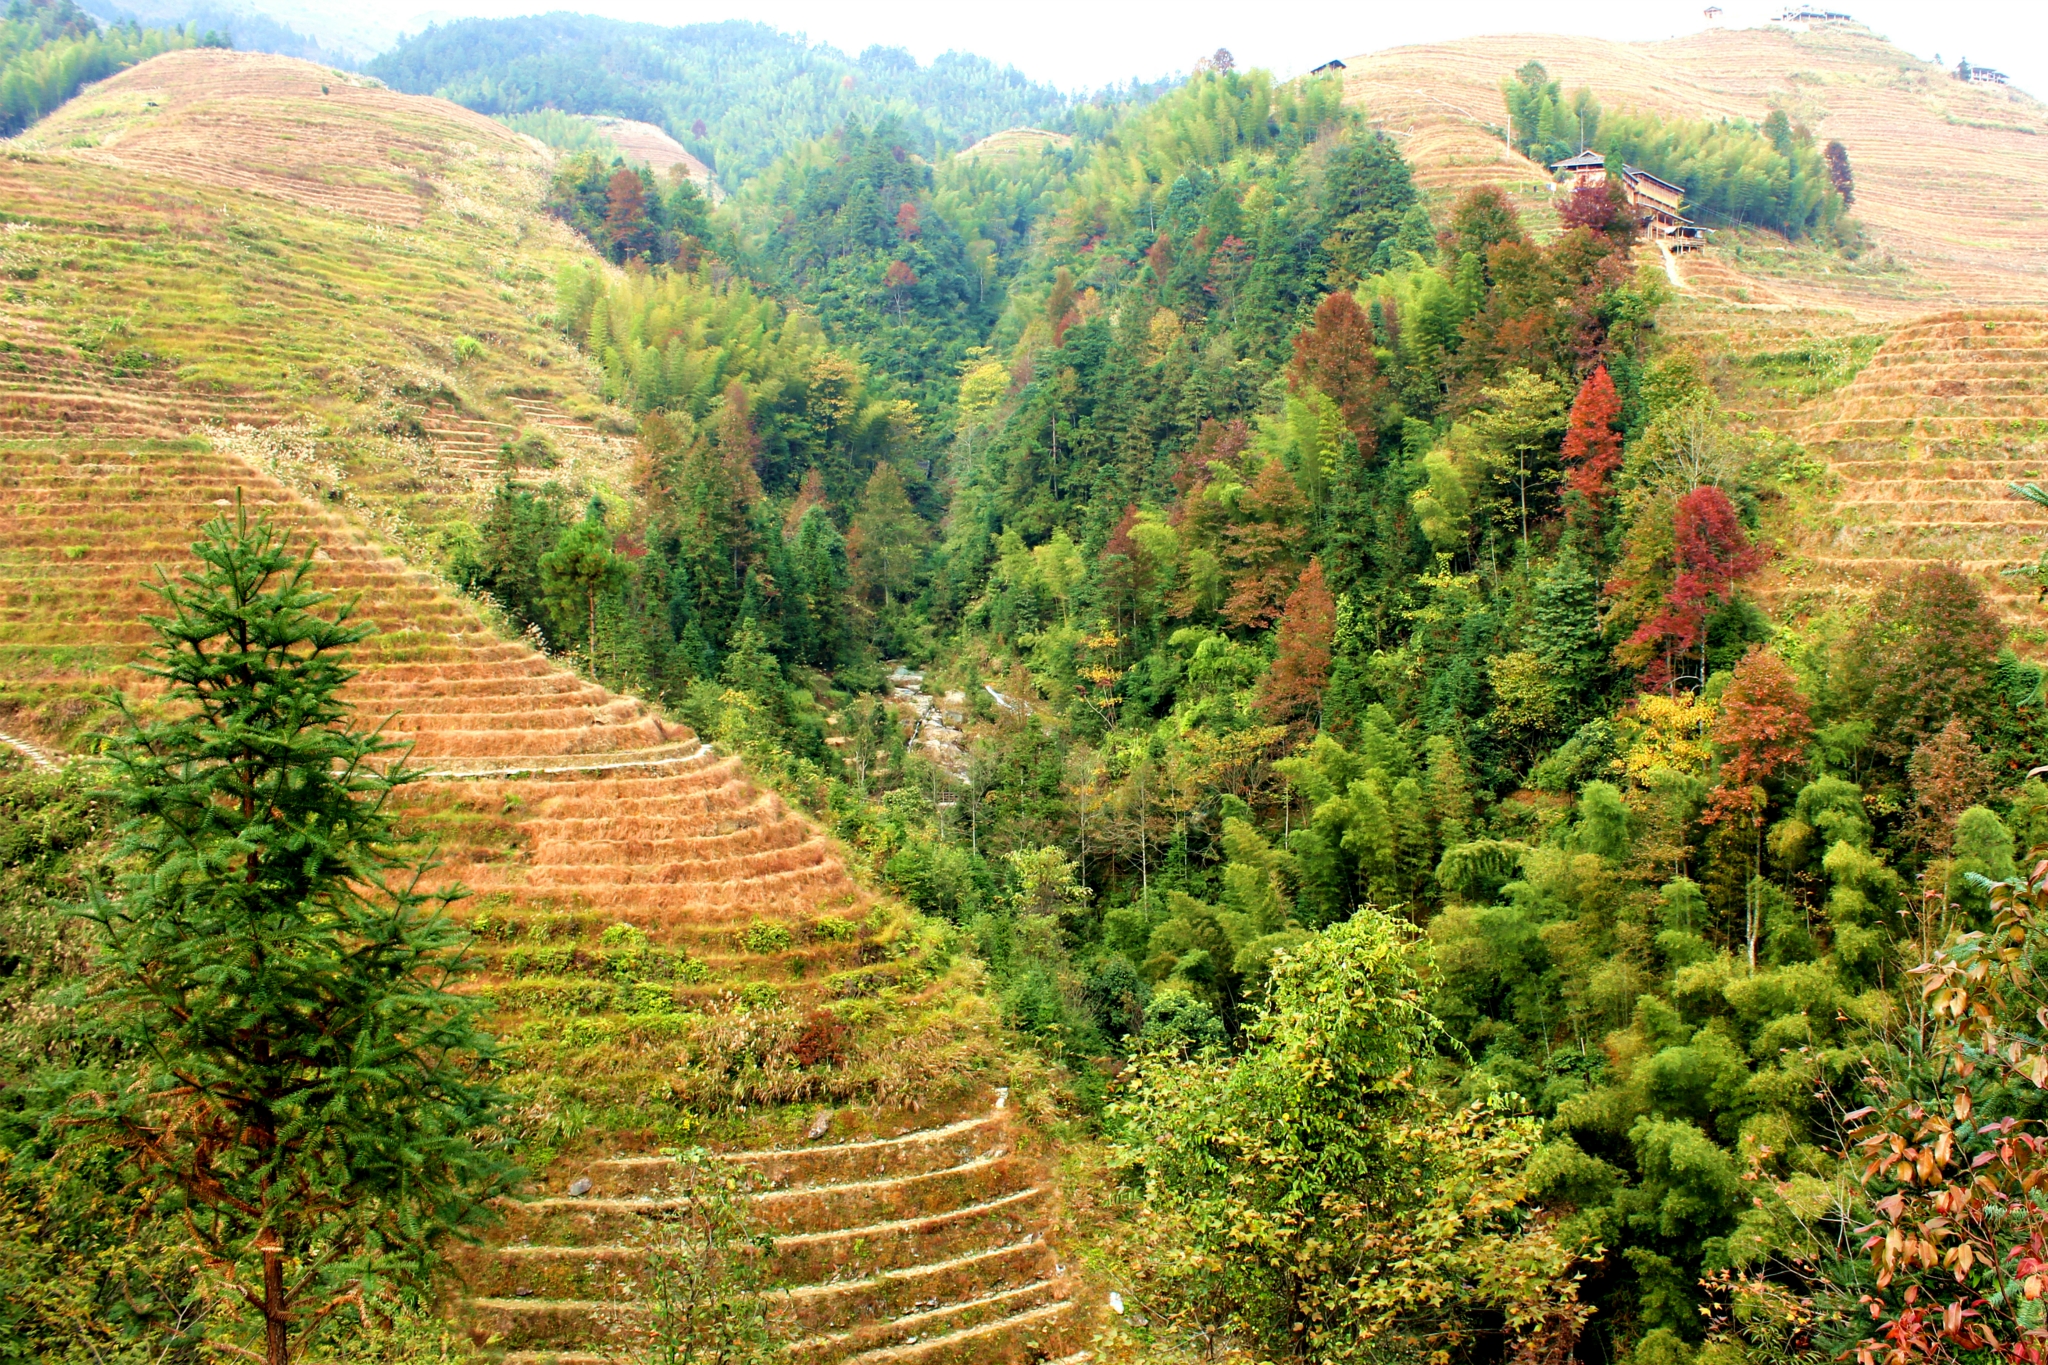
x,y
1659,205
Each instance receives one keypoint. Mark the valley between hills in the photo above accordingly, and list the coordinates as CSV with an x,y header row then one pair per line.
x,y
1009,417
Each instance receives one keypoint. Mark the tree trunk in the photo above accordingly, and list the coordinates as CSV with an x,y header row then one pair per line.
x,y
1522,483
276,1349
592,599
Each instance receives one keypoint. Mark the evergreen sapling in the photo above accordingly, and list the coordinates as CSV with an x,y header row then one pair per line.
x,y
301,1088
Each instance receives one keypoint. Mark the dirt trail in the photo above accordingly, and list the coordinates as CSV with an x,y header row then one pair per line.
x,y
40,757
1671,268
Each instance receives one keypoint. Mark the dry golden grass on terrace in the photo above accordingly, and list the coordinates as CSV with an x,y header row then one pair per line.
x,y
1923,445
1016,144
150,295
85,529
1950,177
322,138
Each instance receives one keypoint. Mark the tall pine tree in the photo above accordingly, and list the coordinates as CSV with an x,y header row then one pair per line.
x,y
301,1088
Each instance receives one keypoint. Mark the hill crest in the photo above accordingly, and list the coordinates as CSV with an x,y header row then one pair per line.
x,y
279,126
1951,177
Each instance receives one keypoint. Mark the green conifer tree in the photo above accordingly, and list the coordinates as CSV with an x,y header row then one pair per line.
x,y
1565,628
300,1088
581,569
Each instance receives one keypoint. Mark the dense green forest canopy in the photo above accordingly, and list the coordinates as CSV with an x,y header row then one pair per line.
x,y
1367,565
738,95
51,48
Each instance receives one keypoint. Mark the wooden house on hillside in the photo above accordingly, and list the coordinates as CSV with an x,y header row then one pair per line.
x,y
1587,168
1334,64
1811,14
1660,209
1659,205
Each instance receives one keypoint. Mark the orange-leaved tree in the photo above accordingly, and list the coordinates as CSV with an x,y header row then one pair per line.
x,y
1293,690
1334,355
1761,734
1263,546
626,224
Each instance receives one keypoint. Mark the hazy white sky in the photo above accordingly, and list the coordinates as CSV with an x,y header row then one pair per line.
x,y
1078,44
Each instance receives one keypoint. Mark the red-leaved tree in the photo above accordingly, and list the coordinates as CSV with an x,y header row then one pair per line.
x,y
1592,442
906,220
1765,723
1711,553
899,279
1602,209
1335,356
1293,689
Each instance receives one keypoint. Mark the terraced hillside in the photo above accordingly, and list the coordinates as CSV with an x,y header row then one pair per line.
x,y
219,276
667,946
648,143
321,138
918,1246
1950,176
1923,445
1014,144
367,268
87,524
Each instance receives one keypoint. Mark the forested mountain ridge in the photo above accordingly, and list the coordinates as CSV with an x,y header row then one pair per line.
x,y
1345,773
737,94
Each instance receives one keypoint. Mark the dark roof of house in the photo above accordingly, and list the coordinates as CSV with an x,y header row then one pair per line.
x,y
1637,173
1334,64
1586,160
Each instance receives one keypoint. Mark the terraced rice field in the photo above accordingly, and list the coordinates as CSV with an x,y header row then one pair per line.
x,y
1918,432
650,144
321,138
60,391
86,529
635,894
144,298
1017,144
920,1246
1924,444
1950,176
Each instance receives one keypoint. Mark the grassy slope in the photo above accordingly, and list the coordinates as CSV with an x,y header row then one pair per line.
x,y
217,240
156,234
1947,174
1901,430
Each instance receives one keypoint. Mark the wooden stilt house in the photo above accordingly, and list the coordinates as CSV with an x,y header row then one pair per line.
x,y
1659,207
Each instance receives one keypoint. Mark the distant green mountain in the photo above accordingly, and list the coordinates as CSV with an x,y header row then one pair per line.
x,y
737,94
50,48
240,27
